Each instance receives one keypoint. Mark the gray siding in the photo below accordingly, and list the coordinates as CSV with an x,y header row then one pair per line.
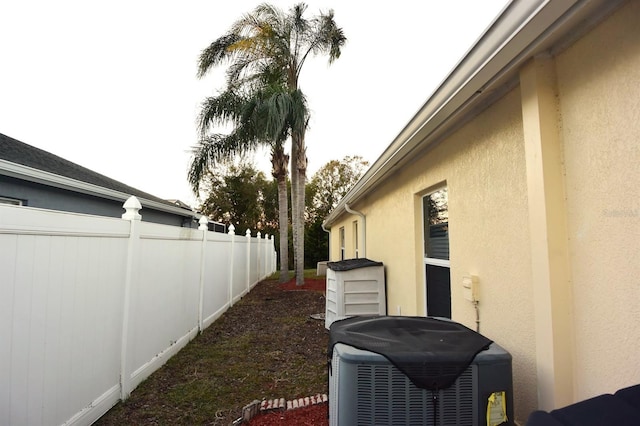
x,y
46,197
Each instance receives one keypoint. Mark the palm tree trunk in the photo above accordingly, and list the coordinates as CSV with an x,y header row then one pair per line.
x,y
283,219
298,175
279,161
300,240
294,203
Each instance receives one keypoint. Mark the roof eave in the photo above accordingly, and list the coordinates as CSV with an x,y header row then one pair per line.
x,y
19,171
522,30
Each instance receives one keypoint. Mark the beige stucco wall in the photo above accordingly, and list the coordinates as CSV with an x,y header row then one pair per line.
x,y
482,166
599,87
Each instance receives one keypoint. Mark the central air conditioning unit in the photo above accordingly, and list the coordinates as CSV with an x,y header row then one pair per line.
x,y
366,389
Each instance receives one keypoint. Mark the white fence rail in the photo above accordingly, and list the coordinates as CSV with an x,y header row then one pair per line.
x,y
90,306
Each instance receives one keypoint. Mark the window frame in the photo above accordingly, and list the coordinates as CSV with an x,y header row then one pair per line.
x,y
431,261
11,201
355,239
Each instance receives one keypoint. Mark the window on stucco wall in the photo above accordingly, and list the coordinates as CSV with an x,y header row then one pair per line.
x,y
435,211
355,239
342,248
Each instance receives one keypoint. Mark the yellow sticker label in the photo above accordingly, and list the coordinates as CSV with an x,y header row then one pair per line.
x,y
497,409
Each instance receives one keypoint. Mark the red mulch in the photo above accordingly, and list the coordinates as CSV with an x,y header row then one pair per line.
x,y
313,415
317,284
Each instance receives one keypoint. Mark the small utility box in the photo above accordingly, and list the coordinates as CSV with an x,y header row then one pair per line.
x,y
354,287
321,268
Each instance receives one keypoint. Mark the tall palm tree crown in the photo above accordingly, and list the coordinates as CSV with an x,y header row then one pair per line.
x,y
266,50
263,116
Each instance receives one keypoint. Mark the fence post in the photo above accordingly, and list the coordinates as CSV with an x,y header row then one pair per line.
x,y
267,261
272,256
267,255
203,258
248,235
132,207
232,234
259,262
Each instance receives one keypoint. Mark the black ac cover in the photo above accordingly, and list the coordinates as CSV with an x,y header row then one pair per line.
x,y
431,352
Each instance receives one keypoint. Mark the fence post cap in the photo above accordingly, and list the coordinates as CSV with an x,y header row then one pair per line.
x,y
132,207
232,230
247,233
203,223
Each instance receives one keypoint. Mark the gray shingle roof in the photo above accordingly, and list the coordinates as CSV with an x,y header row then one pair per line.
x,y
19,152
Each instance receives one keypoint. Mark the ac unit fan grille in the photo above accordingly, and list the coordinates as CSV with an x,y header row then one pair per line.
x,y
386,396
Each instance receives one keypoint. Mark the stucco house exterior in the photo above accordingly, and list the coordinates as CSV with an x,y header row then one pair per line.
x,y
33,177
519,179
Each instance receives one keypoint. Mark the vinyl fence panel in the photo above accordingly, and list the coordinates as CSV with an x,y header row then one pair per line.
x,y
165,297
60,316
240,278
217,270
84,299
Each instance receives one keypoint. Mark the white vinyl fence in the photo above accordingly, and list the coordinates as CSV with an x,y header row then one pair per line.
x,y
90,306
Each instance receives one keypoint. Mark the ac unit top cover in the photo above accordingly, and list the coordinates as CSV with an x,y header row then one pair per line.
x,y
431,352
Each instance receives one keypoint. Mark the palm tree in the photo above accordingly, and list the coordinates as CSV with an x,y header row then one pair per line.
x,y
271,41
260,116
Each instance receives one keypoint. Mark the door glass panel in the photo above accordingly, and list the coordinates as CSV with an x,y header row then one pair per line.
x,y
436,225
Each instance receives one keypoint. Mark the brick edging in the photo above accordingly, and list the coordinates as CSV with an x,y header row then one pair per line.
x,y
251,410
274,404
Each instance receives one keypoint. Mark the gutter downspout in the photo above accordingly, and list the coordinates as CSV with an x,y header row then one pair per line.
x,y
364,227
328,232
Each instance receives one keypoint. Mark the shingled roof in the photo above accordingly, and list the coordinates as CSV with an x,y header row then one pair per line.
x,y
21,153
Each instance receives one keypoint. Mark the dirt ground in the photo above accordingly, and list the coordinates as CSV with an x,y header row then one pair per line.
x,y
266,346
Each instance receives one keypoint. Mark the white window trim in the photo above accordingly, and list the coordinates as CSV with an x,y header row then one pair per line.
x,y
437,262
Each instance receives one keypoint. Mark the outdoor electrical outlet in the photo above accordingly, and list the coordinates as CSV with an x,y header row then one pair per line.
x,y
470,288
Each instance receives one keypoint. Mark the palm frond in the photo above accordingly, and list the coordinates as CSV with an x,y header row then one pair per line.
x,y
219,110
215,53
201,161
266,50
218,148
331,37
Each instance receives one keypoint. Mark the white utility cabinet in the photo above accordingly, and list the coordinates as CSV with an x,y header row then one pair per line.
x,y
354,287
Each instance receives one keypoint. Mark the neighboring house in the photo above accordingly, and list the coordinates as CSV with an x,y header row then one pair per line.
x,y
526,159
213,226
32,177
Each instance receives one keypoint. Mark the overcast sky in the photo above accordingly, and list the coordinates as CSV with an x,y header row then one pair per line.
x,y
111,85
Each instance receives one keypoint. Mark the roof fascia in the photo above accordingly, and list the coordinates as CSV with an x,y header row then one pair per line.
x,y
523,29
19,171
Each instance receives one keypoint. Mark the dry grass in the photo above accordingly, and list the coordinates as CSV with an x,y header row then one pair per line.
x,y
266,346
